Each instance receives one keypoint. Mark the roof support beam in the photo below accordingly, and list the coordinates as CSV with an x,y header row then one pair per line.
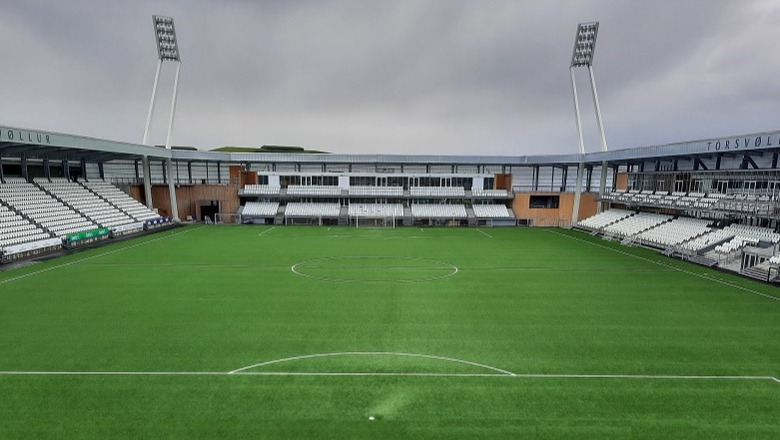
x,y
747,163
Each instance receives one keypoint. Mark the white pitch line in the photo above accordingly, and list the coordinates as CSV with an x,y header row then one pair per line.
x,y
485,233
363,374
678,269
266,231
396,374
372,353
113,373
37,272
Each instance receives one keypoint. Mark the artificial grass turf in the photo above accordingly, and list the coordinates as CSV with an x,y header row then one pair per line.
x,y
216,299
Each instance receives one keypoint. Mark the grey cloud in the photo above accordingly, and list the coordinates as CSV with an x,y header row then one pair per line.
x,y
438,77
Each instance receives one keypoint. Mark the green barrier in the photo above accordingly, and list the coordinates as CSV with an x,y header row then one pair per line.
x,y
84,235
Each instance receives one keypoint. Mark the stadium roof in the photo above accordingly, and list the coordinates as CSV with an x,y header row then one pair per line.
x,y
18,142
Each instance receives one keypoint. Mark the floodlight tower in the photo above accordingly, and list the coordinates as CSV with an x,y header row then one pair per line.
x,y
167,50
582,56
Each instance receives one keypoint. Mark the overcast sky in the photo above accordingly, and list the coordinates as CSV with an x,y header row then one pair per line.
x,y
413,77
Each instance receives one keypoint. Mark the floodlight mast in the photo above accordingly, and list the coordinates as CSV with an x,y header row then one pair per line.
x,y
167,50
582,56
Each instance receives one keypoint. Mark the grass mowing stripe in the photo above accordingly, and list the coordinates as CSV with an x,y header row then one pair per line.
x,y
678,269
583,337
92,257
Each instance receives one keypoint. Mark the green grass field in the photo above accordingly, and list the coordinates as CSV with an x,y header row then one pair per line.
x,y
306,332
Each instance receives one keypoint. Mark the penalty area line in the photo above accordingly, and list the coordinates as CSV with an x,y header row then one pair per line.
x,y
484,233
266,231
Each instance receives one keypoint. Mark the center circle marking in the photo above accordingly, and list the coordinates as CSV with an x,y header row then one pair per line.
x,y
374,269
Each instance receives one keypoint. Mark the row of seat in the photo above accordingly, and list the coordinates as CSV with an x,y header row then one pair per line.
x,y
15,229
492,211
84,209
675,232
605,218
377,191
735,244
317,190
437,191
637,223
307,209
447,211
376,210
260,209
489,192
53,215
86,202
254,189
118,198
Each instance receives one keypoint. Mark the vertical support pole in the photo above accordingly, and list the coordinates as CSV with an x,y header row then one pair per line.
x,y
172,191
148,182
575,210
598,108
101,171
66,169
151,104
84,169
603,183
577,113
173,107
46,169
2,176
23,163
171,186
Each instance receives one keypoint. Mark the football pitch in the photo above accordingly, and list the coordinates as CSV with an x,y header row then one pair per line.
x,y
317,332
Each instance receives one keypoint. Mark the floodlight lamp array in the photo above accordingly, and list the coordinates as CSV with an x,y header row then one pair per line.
x,y
165,35
584,44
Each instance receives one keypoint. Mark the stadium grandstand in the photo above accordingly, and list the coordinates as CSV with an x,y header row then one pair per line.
x,y
706,201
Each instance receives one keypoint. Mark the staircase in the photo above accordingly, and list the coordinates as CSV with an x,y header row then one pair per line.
x,y
408,220
472,218
704,261
755,273
344,216
279,218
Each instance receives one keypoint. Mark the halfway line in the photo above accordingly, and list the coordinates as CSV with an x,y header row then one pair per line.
x,y
381,374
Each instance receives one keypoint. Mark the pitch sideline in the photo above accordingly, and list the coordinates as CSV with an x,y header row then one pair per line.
x,y
92,257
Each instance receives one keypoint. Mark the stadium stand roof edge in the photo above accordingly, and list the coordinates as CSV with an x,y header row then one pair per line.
x,y
38,143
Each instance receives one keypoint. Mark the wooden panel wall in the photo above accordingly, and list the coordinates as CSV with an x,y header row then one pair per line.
x,y
622,181
189,198
554,217
503,181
